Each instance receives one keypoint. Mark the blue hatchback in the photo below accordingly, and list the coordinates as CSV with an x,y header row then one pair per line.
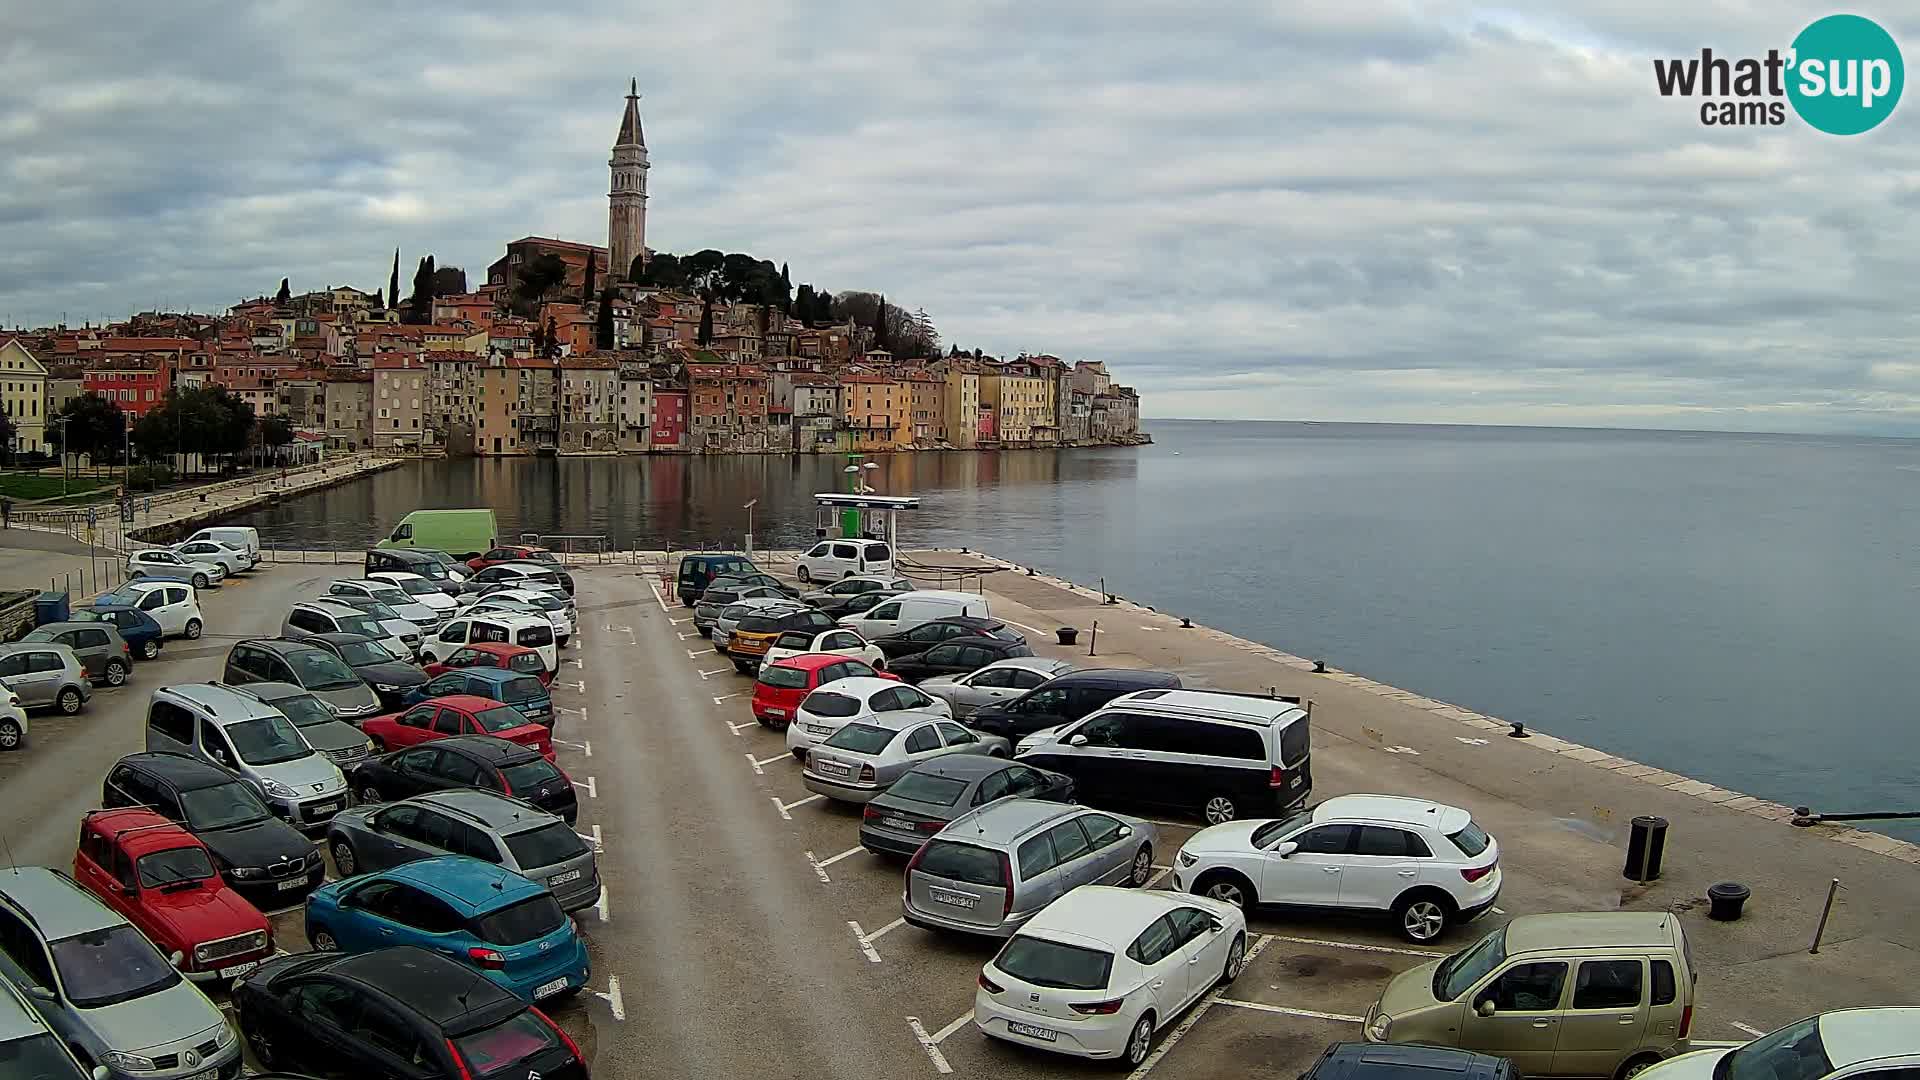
x,y
519,690
142,634
506,927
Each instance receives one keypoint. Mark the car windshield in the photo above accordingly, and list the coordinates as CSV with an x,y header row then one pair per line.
x,y
1457,973
528,775
163,868
783,678
362,653
111,965
546,845
1794,1052
1055,964
823,704
499,719
928,788
861,738
517,924
319,670
416,586
36,1057
222,806
522,690
268,740
304,710
505,1045
1273,830
1470,840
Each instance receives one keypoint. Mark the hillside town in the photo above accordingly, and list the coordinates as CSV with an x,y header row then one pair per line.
x,y
572,348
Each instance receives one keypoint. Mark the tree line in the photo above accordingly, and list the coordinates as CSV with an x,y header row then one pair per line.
x,y
205,421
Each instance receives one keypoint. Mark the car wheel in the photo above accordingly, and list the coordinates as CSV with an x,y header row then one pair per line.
x,y
322,941
193,629
9,735
116,673
68,702
344,860
1226,887
199,581
744,667
371,794
1139,1043
1422,917
1635,1066
704,631
805,576
1220,809
379,744
263,1048
150,650
1236,959
1142,867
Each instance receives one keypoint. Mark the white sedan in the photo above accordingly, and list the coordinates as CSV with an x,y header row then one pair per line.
x,y
842,701
1871,1044
1102,969
419,588
231,559
838,642
161,563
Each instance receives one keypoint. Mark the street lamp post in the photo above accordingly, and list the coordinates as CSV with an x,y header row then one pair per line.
x,y
749,509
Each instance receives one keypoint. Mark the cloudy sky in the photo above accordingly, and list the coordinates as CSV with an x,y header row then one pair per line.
x,y
1314,209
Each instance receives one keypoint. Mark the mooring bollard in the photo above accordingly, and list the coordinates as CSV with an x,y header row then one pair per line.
x,y
1319,667
1725,899
1067,634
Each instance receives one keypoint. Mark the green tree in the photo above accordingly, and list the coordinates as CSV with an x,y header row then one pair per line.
x,y
449,281
822,307
803,302
586,288
285,294
786,288
275,431
541,276
882,333
552,339
7,431
420,304
377,300
94,427
603,321
393,282
706,320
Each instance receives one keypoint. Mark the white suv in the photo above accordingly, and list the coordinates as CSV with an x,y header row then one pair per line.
x,y
1426,863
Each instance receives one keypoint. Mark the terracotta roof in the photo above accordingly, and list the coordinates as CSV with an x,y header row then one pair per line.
x,y
548,241
395,362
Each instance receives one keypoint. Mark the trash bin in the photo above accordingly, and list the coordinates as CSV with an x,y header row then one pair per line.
x,y
50,607
1645,844
1725,900
1067,634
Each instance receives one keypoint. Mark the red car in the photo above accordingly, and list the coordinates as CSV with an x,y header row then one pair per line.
x,y
457,714
495,654
163,879
780,685
511,553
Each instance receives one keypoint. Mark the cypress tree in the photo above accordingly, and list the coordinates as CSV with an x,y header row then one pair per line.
x,y
553,338
586,291
786,290
803,303
880,337
284,294
393,283
603,322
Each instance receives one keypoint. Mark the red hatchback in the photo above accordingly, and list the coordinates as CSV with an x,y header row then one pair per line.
x,y
511,553
458,714
163,879
781,685
495,654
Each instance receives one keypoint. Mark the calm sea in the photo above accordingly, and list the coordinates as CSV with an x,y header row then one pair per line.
x,y
1739,608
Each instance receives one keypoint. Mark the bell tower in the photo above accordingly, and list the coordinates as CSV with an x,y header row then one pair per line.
x,y
627,197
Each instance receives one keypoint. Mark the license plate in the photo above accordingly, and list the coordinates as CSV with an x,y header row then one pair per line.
x,y
204,1074
238,970
816,729
292,883
832,767
953,899
897,823
318,809
1297,780
775,712
562,879
549,989
1031,1032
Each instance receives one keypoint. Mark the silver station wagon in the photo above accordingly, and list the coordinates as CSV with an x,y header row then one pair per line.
x,y
862,759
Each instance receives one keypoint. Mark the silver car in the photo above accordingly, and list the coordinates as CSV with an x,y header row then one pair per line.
x,y
403,605
864,758
391,623
730,616
252,740
229,558
103,987
502,830
45,675
102,652
1002,680
714,601
991,870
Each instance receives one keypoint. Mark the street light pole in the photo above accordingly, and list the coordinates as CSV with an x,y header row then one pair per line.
x,y
749,509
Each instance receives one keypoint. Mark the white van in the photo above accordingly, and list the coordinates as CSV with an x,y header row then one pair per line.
x,y
908,610
245,538
507,627
831,560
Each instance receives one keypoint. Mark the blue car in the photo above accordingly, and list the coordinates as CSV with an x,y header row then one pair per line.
x,y
523,692
504,926
142,634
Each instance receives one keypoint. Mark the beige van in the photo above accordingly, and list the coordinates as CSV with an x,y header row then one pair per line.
x,y
1600,994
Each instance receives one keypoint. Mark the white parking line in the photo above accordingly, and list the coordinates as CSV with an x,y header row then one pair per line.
x,y
1499,911
592,838
656,595
681,622
1284,1011
819,871
592,790
774,758
580,712
612,997
1028,629
842,855
715,671
885,930
783,807
600,905
929,1044
866,943
724,697
1199,1010
584,747
1354,945
1748,1028
695,655
580,685
1154,881
735,728
684,637
576,662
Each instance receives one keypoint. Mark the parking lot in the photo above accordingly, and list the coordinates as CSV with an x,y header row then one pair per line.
x,y
743,931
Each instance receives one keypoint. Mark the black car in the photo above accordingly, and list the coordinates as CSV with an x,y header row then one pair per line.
x,y
928,634
956,656
1064,699
698,569
265,859
467,761
920,803
392,680
432,566
398,1011
1390,1061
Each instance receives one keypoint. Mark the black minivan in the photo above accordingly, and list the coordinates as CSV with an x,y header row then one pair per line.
x,y
697,569
409,561
1064,699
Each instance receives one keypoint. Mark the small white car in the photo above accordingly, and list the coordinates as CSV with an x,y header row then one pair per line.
x,y
837,704
838,642
1425,862
419,588
13,721
511,627
1873,1044
231,559
164,564
172,604
831,560
1102,969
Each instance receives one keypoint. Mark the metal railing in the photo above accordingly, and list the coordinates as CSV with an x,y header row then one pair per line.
x,y
574,548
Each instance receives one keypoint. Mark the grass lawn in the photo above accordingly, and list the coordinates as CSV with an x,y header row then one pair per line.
x,y
21,486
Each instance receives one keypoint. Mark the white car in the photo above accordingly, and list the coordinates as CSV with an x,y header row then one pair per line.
x,y
831,560
231,559
839,703
423,616
13,721
159,562
421,590
1873,1044
511,627
553,605
1427,863
1102,969
838,642
172,604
